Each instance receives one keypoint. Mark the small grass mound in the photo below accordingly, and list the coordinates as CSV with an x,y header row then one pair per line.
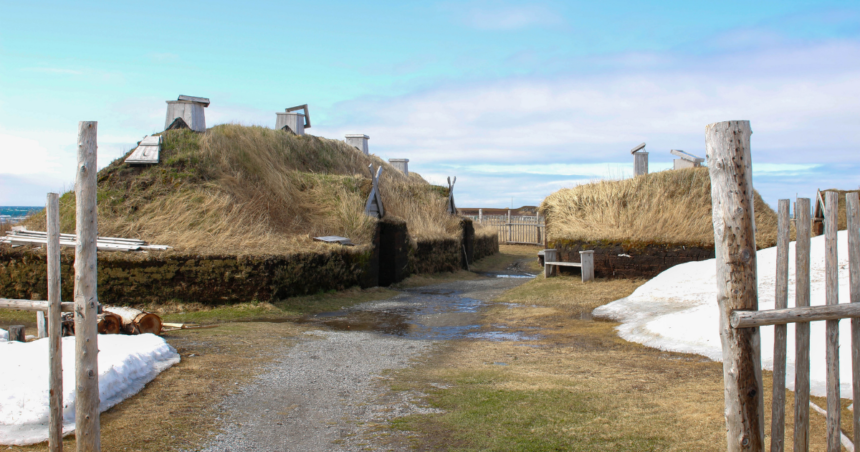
x,y
254,190
672,207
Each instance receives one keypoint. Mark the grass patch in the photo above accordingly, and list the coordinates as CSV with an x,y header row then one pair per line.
x,y
288,309
521,258
665,207
580,387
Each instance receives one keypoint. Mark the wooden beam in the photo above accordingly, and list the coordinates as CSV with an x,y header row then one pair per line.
x,y
87,423
730,168
801,330
752,319
853,211
777,425
55,326
33,305
831,283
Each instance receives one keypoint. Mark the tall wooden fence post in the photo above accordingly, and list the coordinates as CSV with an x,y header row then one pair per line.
x,y
831,282
853,211
55,345
803,223
730,168
87,425
777,424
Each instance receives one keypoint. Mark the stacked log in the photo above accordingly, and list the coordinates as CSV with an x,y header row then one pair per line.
x,y
135,321
116,320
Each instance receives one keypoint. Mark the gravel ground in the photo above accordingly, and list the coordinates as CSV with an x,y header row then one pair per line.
x,y
325,393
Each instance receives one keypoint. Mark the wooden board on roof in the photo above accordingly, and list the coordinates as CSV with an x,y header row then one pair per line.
x,y
147,152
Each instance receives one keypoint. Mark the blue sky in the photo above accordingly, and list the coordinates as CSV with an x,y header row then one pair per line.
x,y
515,99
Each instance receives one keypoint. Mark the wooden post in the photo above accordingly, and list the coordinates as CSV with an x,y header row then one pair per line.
x,y
17,333
730,168
548,256
480,216
87,425
586,258
831,281
853,211
801,329
41,325
55,326
777,425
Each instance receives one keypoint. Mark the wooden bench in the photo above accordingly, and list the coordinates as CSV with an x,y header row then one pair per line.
x,y
586,263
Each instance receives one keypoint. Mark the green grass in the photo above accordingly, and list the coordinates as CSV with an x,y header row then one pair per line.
x,y
479,415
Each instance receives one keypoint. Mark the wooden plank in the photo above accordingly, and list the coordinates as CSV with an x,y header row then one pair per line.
x,y
32,305
777,425
637,148
730,168
151,140
87,422
831,282
752,319
586,259
567,264
199,100
686,156
144,155
853,212
41,325
549,258
801,330
55,326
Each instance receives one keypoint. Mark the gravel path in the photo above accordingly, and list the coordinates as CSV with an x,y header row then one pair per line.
x,y
325,393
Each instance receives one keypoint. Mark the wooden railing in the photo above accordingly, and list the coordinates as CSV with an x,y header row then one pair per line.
x,y
85,306
731,191
517,229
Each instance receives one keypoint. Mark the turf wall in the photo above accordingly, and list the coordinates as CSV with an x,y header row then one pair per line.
x,y
131,278
630,260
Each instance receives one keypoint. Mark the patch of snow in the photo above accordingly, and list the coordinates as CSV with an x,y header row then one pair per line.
x,y
126,364
677,311
4,335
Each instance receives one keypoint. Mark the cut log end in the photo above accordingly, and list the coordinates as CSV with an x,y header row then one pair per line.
x,y
109,323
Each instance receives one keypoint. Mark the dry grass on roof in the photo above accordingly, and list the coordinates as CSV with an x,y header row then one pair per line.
x,y
666,207
254,190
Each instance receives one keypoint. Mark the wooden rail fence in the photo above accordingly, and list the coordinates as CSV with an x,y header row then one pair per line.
x,y
85,306
517,229
731,191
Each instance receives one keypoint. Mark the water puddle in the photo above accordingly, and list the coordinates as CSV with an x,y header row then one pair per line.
x,y
421,315
516,275
500,336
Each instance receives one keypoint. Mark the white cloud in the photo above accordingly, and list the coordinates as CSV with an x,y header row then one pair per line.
x,y
24,156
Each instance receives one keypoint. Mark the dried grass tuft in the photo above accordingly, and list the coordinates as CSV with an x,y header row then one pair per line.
x,y
665,207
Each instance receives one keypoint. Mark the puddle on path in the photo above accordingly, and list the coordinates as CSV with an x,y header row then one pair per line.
x,y
419,314
516,275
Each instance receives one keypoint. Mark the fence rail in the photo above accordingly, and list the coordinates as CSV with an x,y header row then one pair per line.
x,y
517,229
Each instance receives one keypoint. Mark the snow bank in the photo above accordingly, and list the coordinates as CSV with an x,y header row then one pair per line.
x,y
126,364
677,311
4,335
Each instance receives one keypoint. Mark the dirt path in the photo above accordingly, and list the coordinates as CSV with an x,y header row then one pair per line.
x,y
325,393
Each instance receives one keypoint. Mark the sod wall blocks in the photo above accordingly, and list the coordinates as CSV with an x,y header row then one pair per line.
x,y
629,260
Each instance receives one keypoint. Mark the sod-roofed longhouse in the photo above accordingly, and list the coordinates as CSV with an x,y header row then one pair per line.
x,y
237,195
641,226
